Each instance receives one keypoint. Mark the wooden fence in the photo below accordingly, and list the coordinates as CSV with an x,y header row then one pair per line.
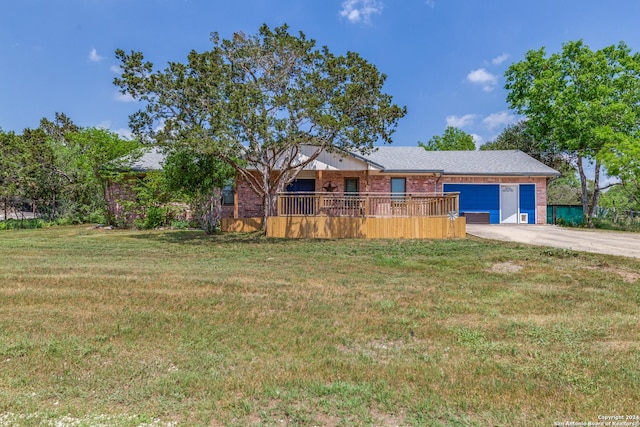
x,y
368,204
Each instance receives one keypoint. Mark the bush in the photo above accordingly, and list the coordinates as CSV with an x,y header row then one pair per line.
x,y
155,217
181,225
15,224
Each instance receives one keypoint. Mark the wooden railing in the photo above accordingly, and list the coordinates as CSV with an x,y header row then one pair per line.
x,y
368,204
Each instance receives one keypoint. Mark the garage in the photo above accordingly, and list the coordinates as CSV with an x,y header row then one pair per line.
x,y
496,203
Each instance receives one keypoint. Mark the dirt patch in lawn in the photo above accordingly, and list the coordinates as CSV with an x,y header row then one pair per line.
x,y
627,276
505,267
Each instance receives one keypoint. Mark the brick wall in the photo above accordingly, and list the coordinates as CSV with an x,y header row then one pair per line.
x,y
337,179
414,183
250,204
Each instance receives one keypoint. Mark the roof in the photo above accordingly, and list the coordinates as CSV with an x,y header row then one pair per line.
x,y
151,160
490,162
397,159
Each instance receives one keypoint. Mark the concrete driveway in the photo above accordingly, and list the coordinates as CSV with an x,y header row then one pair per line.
x,y
604,242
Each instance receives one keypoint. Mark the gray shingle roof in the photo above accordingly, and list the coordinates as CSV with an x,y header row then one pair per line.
x,y
151,160
417,159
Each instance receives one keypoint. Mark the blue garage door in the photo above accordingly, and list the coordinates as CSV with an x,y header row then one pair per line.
x,y
478,198
528,202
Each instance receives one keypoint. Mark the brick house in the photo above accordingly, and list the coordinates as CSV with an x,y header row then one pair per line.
x,y
496,187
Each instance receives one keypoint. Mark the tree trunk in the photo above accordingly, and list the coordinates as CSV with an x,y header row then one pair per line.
x,y
209,211
107,205
596,193
585,194
269,203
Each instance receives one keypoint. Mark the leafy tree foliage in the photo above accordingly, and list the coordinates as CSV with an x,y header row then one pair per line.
x,y
452,139
617,197
12,162
621,157
202,177
577,102
42,177
95,156
519,137
257,101
564,190
61,169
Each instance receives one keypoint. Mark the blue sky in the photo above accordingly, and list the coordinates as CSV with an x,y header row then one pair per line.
x,y
445,59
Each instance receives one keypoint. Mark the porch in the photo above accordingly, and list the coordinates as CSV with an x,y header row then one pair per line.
x,y
367,215
365,205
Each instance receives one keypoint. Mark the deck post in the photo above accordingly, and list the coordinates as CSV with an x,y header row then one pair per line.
x,y
367,205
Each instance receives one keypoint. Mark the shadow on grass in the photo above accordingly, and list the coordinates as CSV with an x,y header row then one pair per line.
x,y
199,237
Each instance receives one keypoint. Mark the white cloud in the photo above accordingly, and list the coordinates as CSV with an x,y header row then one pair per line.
x,y
116,69
430,3
460,121
499,120
499,59
94,57
105,124
360,10
124,133
477,139
484,78
123,97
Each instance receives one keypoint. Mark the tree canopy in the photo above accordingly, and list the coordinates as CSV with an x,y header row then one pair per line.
x,y
578,101
452,139
202,177
255,100
94,156
621,157
61,170
519,137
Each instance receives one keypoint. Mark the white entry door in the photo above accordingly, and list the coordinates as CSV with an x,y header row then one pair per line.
x,y
509,204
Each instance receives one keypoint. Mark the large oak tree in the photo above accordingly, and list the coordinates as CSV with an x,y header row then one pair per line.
x,y
256,100
578,101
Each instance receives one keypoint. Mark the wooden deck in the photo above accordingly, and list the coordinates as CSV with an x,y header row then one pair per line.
x,y
366,228
369,216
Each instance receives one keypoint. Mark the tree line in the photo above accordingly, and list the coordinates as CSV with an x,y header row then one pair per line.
x,y
248,106
581,107
63,173
60,171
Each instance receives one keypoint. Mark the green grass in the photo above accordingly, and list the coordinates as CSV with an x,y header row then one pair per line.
x,y
106,327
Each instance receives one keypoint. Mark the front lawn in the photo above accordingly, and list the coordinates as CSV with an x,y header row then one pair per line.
x,y
178,328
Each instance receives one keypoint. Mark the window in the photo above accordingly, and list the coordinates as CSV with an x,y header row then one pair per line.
x,y
398,190
227,195
351,185
398,186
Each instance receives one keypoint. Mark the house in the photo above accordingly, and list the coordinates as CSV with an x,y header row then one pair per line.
x,y
394,192
493,187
